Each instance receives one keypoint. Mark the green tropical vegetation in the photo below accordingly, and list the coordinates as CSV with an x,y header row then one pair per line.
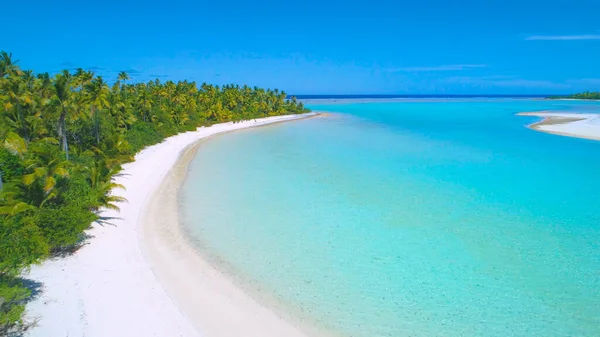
x,y
63,138
587,95
582,95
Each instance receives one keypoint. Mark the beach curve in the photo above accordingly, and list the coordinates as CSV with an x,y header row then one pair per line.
x,y
124,281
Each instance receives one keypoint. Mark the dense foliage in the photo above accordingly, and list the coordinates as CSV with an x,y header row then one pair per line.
x,y
587,95
63,138
584,95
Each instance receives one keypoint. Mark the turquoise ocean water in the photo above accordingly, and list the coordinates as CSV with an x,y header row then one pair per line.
x,y
409,218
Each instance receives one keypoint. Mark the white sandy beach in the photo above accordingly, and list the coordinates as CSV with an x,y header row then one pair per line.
x,y
567,124
140,277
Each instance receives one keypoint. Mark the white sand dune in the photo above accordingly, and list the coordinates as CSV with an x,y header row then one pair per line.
x,y
139,277
567,124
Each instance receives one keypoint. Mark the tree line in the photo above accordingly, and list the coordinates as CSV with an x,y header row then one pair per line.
x,y
64,137
582,95
587,95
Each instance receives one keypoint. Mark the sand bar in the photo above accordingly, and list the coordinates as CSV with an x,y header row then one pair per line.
x,y
138,277
577,125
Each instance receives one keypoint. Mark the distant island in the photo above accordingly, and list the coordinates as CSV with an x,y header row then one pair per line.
x,y
582,95
64,137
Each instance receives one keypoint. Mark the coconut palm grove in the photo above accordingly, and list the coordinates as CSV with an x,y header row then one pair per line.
x,y
63,138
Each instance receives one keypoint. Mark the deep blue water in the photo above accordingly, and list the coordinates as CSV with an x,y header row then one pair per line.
x,y
436,218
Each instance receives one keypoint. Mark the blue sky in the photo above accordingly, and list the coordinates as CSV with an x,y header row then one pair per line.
x,y
319,47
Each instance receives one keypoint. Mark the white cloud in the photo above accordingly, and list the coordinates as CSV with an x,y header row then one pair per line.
x,y
562,37
450,67
506,81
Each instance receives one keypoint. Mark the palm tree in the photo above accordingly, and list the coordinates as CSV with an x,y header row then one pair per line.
x,y
145,103
14,105
14,200
99,176
62,102
15,145
45,85
123,76
82,77
120,109
97,96
46,169
7,65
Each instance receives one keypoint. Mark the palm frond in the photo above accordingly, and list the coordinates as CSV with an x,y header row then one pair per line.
x,y
15,144
19,207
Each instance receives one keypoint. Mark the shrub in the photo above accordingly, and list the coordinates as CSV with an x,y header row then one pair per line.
x,y
63,226
142,135
21,244
13,294
10,165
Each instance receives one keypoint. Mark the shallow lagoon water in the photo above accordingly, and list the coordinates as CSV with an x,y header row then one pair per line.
x,y
409,218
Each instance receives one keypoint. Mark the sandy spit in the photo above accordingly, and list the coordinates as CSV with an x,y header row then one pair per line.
x,y
567,124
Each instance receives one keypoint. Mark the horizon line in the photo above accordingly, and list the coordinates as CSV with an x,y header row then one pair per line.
x,y
429,95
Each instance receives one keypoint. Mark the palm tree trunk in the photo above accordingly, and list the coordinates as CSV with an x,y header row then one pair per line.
x,y
97,122
96,125
21,120
62,133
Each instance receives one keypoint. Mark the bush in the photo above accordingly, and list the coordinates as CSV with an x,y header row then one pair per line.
x,y
142,135
76,192
10,165
21,244
13,294
63,226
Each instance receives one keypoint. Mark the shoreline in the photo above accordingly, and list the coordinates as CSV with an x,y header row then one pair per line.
x,y
576,125
123,282
210,295
576,99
